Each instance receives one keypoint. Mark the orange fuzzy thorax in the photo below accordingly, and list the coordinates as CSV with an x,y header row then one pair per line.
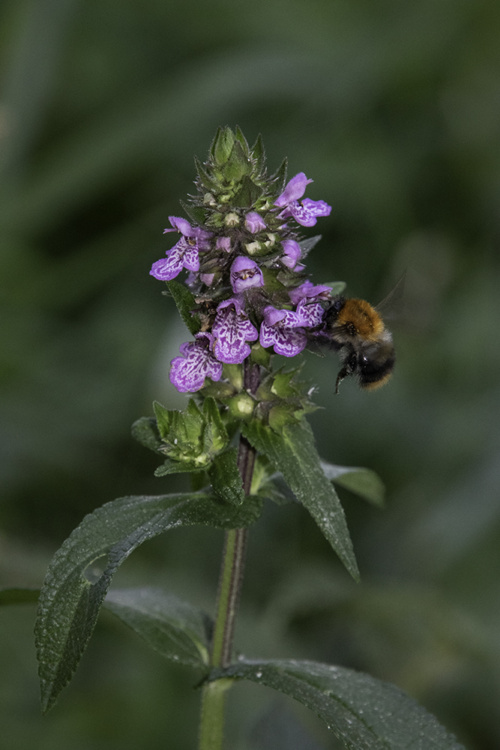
x,y
364,318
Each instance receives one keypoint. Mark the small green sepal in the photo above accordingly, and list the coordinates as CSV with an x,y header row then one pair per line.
x,y
191,437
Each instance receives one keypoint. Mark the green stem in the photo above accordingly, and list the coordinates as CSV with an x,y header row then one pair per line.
x,y
231,577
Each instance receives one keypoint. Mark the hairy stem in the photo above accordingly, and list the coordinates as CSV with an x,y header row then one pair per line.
x,y
231,577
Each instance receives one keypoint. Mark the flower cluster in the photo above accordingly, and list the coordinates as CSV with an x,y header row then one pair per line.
x,y
244,259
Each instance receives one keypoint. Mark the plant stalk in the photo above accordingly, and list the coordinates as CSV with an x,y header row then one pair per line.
x,y
230,581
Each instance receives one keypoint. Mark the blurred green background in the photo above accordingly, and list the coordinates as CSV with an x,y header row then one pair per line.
x,y
394,109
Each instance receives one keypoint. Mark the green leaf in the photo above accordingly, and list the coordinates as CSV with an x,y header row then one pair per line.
x,y
258,153
279,177
237,165
226,478
19,596
190,438
337,287
81,571
145,431
307,245
294,454
175,629
248,194
195,213
222,145
170,466
205,179
363,712
239,135
363,482
215,435
185,303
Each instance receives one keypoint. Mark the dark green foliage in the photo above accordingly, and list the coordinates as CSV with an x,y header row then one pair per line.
x,y
175,629
293,454
81,571
365,713
226,478
185,304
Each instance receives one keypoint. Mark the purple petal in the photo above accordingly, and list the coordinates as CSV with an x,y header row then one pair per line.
x,y
188,373
223,243
181,225
292,253
231,301
294,190
202,238
281,318
232,330
307,212
272,315
310,314
254,222
310,291
167,268
286,341
233,351
191,259
245,274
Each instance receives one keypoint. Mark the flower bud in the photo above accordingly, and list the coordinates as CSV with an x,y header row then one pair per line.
x,y
241,406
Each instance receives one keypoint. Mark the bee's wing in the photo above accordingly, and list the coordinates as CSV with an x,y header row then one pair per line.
x,y
391,305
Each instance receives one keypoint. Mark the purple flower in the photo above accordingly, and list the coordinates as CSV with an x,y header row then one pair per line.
x,y
245,273
254,222
280,330
309,291
305,212
185,253
232,329
291,253
207,278
310,313
223,243
188,372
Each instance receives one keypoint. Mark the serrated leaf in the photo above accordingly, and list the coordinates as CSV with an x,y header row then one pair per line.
x,y
145,431
258,153
185,303
363,712
279,177
294,454
307,245
172,627
177,467
195,213
241,138
73,591
206,180
363,482
226,478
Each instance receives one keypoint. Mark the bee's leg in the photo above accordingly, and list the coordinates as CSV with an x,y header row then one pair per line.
x,y
344,372
350,366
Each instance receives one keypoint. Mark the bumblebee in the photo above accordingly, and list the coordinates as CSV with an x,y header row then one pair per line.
x,y
357,332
